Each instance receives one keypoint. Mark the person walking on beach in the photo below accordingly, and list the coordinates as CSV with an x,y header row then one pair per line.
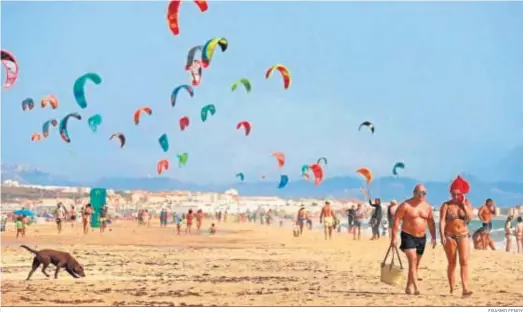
x,y
485,214
391,210
199,219
60,216
301,218
350,218
454,216
327,218
508,233
163,219
358,218
103,218
189,217
519,234
20,227
414,214
86,216
178,222
376,216
72,216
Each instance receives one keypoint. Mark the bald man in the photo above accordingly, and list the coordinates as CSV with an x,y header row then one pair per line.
x,y
414,215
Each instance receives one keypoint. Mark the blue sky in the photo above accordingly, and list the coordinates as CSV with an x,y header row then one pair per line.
x,y
442,82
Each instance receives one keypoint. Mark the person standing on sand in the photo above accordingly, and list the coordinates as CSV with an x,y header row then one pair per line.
x,y
377,215
327,218
20,226
350,218
519,234
86,216
103,218
485,214
301,218
414,214
178,222
358,218
199,219
508,233
454,216
60,216
189,217
72,217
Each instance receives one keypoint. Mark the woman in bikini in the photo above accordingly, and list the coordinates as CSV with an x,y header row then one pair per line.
x,y
190,216
454,216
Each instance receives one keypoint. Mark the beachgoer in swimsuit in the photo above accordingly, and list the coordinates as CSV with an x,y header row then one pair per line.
x,y
86,215
178,222
199,219
358,217
454,216
103,218
72,216
508,233
60,216
478,242
485,214
212,229
301,218
414,214
327,218
519,234
189,217
391,210
19,227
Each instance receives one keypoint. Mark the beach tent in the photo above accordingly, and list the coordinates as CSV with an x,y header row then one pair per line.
x,y
24,212
98,200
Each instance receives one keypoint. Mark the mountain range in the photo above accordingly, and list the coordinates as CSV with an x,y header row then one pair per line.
x,y
506,194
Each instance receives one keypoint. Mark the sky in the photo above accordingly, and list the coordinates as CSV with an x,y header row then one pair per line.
x,y
441,82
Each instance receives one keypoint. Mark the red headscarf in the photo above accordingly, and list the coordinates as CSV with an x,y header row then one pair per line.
x,y
461,185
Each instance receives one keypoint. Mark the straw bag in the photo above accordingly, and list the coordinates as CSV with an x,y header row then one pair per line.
x,y
391,274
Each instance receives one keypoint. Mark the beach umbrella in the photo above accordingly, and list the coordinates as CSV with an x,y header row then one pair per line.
x,y
24,212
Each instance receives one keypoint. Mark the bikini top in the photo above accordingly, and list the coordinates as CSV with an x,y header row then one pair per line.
x,y
454,216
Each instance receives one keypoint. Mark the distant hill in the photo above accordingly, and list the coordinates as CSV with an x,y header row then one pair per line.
x,y
27,175
506,194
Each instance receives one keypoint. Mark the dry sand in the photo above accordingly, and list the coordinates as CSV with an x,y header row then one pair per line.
x,y
246,265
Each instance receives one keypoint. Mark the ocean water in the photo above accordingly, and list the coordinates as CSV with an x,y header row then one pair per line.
x,y
497,233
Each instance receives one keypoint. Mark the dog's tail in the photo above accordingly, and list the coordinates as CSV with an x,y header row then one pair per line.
x,y
29,249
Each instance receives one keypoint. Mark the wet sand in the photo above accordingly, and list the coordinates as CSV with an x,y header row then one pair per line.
x,y
243,265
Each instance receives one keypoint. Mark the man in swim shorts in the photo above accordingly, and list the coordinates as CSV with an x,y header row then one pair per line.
x,y
301,218
327,218
485,214
414,215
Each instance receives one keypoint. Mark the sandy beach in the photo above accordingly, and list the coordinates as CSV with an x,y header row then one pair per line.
x,y
243,265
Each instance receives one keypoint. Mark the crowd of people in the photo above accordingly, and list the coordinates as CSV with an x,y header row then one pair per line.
x,y
409,221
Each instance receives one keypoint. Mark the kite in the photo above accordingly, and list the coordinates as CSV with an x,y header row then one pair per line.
x,y
246,125
11,69
286,75
120,137
79,87
367,124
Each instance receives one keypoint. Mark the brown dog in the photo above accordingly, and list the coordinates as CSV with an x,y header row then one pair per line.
x,y
59,259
